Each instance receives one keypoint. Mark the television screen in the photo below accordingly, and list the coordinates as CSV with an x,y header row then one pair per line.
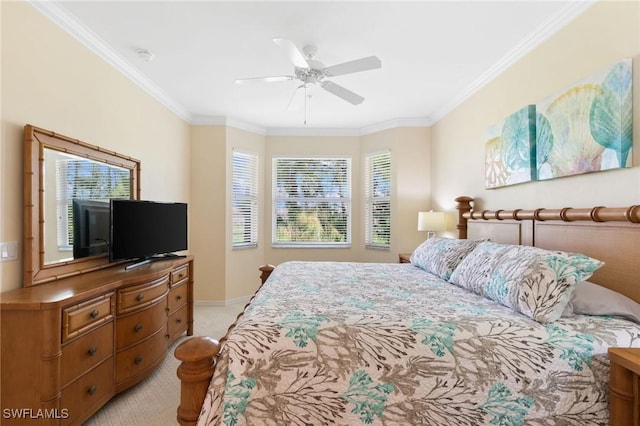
x,y
90,227
143,229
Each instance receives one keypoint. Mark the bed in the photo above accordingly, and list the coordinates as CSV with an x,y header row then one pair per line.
x,y
430,341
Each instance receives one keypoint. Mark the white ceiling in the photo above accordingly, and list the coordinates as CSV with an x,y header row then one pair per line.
x,y
434,54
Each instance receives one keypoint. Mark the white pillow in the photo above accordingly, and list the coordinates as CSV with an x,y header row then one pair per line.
x,y
592,299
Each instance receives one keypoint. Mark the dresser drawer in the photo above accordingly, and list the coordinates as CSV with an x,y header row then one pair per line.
x,y
85,316
138,358
178,323
179,274
178,297
85,352
139,296
135,327
84,396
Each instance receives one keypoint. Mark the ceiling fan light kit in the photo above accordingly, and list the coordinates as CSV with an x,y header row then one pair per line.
x,y
308,70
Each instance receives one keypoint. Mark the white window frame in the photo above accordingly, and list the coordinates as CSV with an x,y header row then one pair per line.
x,y
345,199
373,197
247,200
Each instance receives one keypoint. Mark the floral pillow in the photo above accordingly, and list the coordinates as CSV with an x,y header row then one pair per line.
x,y
440,256
535,282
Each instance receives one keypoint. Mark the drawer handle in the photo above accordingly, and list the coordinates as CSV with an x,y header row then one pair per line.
x,y
178,297
92,351
180,276
92,390
138,360
140,297
94,314
179,320
137,327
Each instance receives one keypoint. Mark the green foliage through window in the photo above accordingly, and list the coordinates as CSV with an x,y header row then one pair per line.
x,y
311,201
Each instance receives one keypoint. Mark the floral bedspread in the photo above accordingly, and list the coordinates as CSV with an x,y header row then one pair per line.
x,y
364,343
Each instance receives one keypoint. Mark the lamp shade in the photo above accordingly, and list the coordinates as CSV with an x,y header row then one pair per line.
x,y
431,221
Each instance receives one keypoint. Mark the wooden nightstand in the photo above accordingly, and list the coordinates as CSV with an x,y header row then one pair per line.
x,y
404,258
624,392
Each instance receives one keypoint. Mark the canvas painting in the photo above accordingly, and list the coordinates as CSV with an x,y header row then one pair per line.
x,y
510,149
587,127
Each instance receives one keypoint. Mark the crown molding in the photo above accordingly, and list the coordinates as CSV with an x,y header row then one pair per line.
x,y
367,130
208,120
398,122
311,131
249,127
204,120
96,45
542,33
218,120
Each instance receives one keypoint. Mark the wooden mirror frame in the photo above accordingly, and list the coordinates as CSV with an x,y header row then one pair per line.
x,y
35,142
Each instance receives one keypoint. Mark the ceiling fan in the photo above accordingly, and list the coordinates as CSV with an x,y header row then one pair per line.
x,y
310,71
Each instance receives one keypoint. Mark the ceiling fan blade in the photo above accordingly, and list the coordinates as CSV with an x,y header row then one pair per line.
x,y
341,92
292,51
363,64
265,79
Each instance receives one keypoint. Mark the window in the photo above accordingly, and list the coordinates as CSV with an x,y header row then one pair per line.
x,y
88,180
245,199
377,193
311,202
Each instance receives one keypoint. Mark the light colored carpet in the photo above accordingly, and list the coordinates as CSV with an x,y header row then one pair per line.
x,y
154,400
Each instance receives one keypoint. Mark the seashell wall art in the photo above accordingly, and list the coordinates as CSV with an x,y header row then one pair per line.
x,y
585,128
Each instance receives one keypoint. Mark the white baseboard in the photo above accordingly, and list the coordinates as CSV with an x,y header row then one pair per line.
x,y
219,303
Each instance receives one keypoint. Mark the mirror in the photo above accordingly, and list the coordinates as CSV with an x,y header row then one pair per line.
x,y
61,174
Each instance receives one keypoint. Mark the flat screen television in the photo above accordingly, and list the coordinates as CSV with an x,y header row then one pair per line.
x,y
90,219
145,231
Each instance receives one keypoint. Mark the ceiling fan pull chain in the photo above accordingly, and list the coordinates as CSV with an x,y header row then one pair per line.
x,y
305,104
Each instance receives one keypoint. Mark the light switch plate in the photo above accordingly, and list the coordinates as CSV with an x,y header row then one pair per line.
x,y
8,251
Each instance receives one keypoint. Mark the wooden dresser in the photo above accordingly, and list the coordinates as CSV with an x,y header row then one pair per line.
x,y
69,346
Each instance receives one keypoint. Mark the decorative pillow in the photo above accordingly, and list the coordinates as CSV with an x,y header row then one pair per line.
x,y
592,299
535,282
440,256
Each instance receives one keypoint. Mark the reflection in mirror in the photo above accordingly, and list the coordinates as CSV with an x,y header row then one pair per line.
x,y
58,170
76,209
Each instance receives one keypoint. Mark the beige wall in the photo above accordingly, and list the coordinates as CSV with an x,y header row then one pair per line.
x,y
52,81
604,34
208,211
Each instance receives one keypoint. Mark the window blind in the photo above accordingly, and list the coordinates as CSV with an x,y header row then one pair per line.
x,y
245,199
311,202
377,191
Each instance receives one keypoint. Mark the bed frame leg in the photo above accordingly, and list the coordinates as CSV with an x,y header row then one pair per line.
x,y
197,356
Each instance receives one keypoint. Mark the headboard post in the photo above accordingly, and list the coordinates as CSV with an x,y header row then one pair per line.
x,y
463,206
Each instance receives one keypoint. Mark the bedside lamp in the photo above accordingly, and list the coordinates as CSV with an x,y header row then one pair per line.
x,y
431,222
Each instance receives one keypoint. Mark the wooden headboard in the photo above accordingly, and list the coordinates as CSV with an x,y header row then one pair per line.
x,y
608,234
